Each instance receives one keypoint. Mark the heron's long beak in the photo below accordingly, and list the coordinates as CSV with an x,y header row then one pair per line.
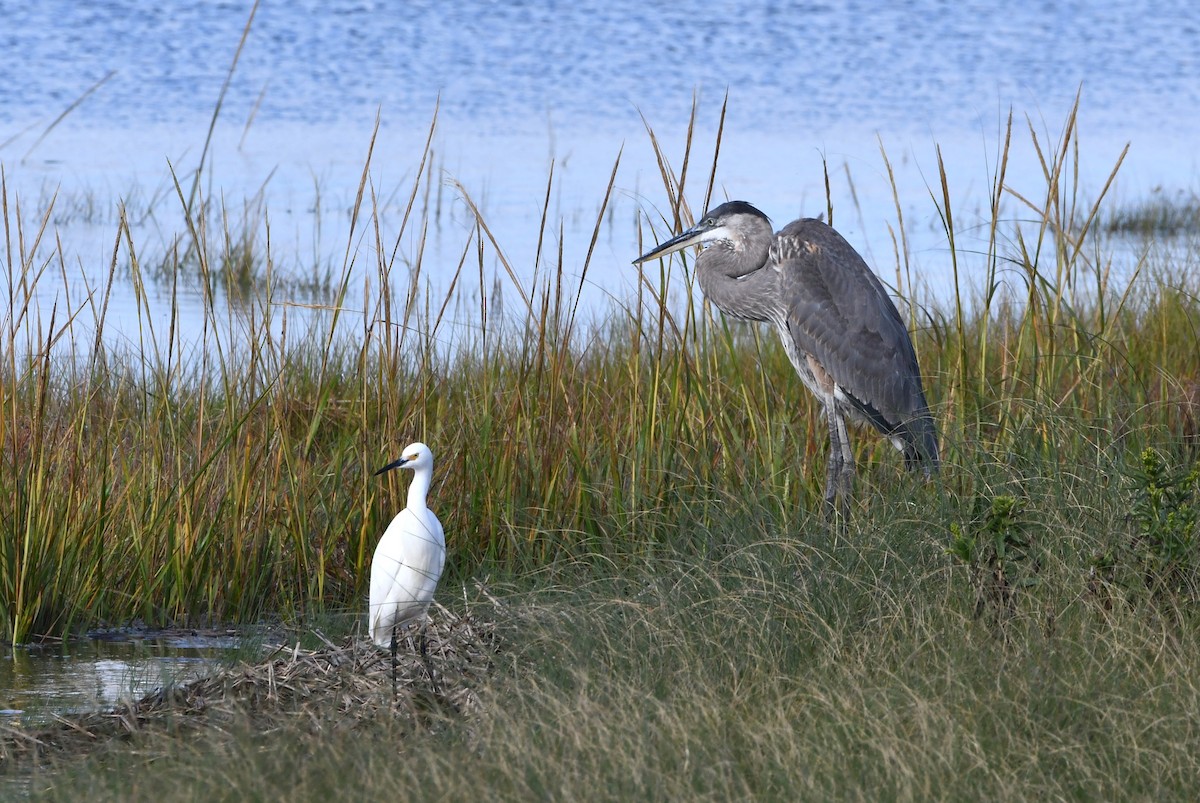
x,y
394,464
677,243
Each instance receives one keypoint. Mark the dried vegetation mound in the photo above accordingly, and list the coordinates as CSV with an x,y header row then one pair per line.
x,y
336,687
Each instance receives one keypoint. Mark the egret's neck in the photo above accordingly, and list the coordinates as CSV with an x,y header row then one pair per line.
x,y
751,296
418,489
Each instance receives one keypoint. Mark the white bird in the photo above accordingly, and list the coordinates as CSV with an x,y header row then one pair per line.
x,y
409,558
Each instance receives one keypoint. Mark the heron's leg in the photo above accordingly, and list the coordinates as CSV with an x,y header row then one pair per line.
x,y
394,662
833,470
846,479
839,478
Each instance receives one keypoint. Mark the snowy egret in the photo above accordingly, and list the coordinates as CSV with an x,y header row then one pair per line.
x,y
408,559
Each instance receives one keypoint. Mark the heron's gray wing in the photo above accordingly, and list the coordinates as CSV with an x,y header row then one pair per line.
x,y
839,312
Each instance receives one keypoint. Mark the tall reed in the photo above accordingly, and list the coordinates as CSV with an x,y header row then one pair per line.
x,y
232,478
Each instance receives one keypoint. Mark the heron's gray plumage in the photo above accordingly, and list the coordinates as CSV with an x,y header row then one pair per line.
x,y
837,322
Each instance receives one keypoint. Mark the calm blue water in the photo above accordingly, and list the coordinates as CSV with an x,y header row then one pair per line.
x,y
796,69
521,85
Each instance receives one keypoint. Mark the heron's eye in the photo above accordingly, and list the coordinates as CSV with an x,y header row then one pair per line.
x,y
710,222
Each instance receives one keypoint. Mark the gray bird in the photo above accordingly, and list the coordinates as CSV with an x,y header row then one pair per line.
x,y
839,327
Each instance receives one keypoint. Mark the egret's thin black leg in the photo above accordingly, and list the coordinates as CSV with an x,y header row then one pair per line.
x,y
394,662
428,663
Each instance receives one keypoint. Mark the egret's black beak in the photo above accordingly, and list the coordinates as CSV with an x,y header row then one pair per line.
x,y
677,243
394,464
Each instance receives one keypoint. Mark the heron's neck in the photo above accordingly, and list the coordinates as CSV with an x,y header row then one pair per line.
x,y
418,489
751,296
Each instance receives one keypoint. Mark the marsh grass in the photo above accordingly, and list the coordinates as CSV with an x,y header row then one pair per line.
x,y
754,662
1160,215
221,480
675,620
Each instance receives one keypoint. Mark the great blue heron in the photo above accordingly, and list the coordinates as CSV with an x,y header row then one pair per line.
x,y
839,327
408,560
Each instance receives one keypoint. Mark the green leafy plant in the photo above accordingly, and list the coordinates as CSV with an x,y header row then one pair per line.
x,y
1166,510
996,550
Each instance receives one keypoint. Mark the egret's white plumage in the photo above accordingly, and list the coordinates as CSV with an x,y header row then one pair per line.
x,y
409,558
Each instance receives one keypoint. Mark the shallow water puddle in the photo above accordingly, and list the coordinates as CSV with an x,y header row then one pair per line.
x,y
39,682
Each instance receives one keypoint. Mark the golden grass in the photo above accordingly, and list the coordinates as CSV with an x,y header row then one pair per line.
x,y
219,481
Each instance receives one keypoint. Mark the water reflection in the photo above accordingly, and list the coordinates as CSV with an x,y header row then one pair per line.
x,y
37,683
